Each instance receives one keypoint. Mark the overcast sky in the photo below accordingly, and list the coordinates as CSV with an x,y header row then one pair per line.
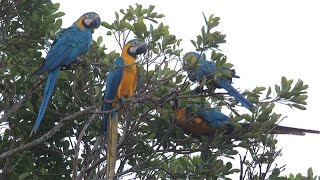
x,y
265,41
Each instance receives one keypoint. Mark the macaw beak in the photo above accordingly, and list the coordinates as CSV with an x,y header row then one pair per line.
x,y
141,48
93,23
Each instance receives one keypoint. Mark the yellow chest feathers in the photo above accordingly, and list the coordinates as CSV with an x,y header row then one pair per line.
x,y
129,80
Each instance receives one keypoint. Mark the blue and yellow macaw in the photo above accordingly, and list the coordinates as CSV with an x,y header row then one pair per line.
x,y
198,120
198,68
122,82
70,43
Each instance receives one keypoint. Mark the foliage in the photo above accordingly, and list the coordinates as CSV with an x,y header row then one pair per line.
x,y
69,143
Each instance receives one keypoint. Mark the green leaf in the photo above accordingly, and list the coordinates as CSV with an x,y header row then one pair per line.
x,y
58,14
277,88
298,106
56,5
57,25
298,85
310,173
99,40
268,92
160,15
126,25
150,9
205,18
109,33
283,82
140,27
25,175
117,16
194,43
106,25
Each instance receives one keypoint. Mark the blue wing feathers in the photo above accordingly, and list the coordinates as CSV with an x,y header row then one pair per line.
x,y
112,83
225,84
206,70
69,44
213,117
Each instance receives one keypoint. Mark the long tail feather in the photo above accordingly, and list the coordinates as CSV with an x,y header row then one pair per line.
x,y
51,81
106,117
112,146
292,131
286,130
233,92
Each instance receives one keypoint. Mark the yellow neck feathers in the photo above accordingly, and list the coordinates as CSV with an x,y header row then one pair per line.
x,y
126,57
80,23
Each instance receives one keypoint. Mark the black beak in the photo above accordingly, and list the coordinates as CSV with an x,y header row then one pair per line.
x,y
95,23
142,49
174,104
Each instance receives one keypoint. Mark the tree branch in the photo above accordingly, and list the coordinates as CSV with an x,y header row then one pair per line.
x,y
77,147
49,134
18,105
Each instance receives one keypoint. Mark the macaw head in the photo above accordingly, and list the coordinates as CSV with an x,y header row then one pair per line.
x,y
89,20
135,47
192,59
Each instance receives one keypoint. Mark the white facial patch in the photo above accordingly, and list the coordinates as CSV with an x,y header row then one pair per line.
x,y
88,21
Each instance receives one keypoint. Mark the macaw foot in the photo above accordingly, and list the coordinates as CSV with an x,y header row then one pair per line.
x,y
122,101
136,95
75,62
66,67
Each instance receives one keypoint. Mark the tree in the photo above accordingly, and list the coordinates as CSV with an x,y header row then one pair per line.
x,y
70,144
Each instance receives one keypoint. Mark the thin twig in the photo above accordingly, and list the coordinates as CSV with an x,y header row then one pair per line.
x,y
77,147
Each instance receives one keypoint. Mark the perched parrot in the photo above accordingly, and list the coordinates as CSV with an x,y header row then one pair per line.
x,y
198,120
122,82
70,43
198,68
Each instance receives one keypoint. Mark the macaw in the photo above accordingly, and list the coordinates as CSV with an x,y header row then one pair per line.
x,y
198,68
198,120
70,43
122,82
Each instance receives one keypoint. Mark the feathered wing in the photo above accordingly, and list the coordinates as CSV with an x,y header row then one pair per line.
x,y
201,69
112,83
111,125
212,116
71,43
225,84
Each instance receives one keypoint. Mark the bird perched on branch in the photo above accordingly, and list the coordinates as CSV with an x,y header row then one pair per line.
x,y
198,120
69,44
122,82
198,69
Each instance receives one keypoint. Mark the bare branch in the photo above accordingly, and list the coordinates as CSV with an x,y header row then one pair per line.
x,y
77,147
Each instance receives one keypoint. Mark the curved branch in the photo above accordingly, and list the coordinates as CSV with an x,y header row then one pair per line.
x,y
77,147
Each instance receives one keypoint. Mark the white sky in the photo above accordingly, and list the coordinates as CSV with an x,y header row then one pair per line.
x,y
265,41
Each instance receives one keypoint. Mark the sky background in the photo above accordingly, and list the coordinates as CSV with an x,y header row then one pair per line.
x,y
265,41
